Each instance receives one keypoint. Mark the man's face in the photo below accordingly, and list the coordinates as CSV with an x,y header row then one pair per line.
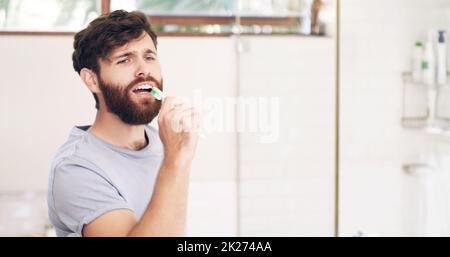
x,y
127,68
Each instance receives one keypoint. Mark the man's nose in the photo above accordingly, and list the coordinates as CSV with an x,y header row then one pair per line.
x,y
143,69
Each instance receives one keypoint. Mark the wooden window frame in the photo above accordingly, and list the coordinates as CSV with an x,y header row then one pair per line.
x,y
186,20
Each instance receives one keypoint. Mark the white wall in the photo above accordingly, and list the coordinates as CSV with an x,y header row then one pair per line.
x,y
41,98
287,186
378,36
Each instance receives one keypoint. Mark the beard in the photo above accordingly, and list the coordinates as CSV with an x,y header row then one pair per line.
x,y
119,100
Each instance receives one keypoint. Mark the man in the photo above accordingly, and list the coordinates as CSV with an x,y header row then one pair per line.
x,y
121,177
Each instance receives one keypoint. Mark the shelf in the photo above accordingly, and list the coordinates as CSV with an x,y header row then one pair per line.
x,y
426,108
436,126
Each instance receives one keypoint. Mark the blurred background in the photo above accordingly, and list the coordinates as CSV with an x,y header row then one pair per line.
x,y
352,133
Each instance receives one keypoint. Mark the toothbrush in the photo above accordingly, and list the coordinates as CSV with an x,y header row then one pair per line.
x,y
159,95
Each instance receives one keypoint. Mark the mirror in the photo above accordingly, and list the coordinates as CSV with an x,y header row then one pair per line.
x,y
319,115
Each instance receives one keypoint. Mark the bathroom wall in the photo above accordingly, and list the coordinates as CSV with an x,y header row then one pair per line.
x,y
287,186
377,37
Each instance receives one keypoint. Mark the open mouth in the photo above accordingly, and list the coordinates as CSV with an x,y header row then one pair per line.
x,y
143,89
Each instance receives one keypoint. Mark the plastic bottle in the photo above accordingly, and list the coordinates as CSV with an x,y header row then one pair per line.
x,y
429,75
417,62
441,59
428,64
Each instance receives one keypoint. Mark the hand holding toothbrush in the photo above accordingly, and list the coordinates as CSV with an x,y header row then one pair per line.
x,y
178,125
159,95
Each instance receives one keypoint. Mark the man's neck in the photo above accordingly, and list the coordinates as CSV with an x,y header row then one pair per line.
x,y
112,129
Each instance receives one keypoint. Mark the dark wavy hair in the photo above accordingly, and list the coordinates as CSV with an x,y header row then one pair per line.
x,y
105,34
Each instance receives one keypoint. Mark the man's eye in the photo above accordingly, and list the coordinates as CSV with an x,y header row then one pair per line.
x,y
150,58
123,61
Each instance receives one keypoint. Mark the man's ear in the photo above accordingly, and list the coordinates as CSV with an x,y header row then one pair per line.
x,y
90,79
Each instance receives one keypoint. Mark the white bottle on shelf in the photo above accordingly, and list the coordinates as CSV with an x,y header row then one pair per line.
x,y
441,59
429,75
428,63
417,62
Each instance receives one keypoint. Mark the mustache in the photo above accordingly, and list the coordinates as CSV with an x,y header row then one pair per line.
x,y
144,79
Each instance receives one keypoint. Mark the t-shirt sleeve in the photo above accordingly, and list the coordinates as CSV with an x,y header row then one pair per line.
x,y
81,194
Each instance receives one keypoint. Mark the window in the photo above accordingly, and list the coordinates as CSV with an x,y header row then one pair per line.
x,y
178,7
47,15
168,17
226,16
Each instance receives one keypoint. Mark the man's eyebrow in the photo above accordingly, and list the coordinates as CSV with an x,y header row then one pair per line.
x,y
148,51
123,55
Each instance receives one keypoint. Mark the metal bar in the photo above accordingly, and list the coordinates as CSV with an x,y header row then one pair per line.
x,y
337,123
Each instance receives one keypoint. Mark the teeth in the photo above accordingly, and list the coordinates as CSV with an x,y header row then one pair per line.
x,y
144,87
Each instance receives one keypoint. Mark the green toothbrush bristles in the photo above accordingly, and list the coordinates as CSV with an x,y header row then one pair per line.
x,y
158,94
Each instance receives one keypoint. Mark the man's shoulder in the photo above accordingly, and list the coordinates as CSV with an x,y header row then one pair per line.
x,y
71,166
72,151
84,150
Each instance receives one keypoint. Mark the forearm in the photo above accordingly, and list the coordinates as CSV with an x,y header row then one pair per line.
x,y
166,212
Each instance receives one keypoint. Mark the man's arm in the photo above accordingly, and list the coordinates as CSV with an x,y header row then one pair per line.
x,y
166,212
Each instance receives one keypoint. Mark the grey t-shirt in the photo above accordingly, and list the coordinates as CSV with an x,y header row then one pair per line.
x,y
90,177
